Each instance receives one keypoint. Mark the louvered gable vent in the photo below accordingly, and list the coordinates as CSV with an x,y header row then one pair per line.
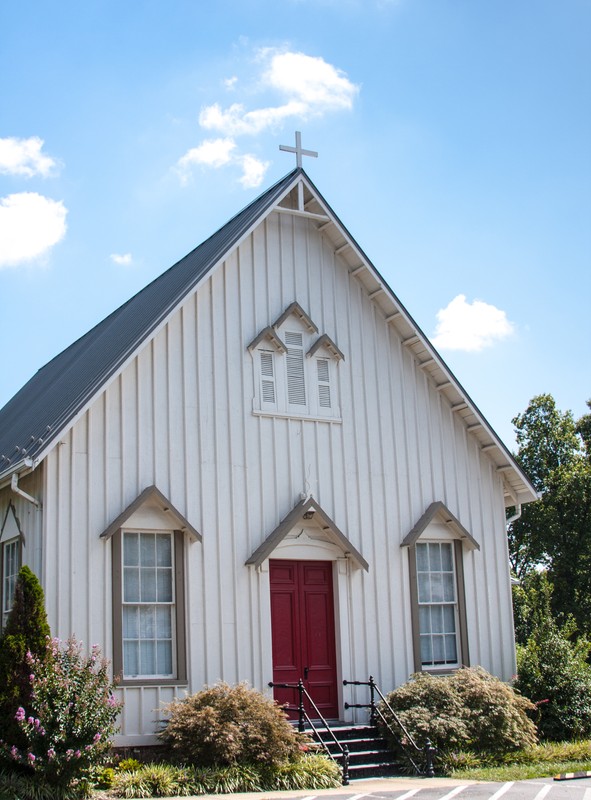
x,y
323,382
296,386
267,377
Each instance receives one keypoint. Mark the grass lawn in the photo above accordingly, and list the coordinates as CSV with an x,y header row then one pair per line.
x,y
543,761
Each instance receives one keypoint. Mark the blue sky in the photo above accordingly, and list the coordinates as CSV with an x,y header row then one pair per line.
x,y
454,142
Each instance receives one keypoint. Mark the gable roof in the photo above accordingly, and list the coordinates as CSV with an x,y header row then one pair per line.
x,y
306,506
439,509
54,398
56,394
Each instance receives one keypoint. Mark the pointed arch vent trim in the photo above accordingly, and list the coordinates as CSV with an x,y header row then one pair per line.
x,y
296,309
307,506
152,496
327,342
440,509
268,333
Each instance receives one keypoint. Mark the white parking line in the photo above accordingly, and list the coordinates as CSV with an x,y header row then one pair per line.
x,y
504,788
543,791
354,796
408,794
453,792
587,795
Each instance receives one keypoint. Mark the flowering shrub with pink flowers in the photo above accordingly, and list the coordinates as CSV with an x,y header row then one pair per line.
x,y
71,719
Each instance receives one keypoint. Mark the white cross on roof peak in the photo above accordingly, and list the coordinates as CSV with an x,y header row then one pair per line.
x,y
298,150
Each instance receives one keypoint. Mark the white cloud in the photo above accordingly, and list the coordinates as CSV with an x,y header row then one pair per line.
x,y
24,157
470,326
253,171
310,85
30,225
123,259
304,87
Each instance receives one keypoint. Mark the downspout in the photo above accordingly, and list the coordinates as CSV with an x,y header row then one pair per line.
x,y
515,516
17,490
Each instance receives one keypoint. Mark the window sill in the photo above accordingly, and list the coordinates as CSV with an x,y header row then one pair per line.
x,y
133,682
257,412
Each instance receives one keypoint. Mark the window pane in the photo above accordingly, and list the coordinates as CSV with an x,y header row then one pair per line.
x,y
449,619
147,622
436,587
131,550
164,587
426,651
451,653
164,622
147,658
424,583
437,619
148,550
422,558
131,584
164,658
130,622
425,619
438,650
434,557
448,586
447,563
148,592
164,551
131,665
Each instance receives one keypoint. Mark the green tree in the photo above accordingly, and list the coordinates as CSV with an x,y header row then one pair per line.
x,y
26,631
554,533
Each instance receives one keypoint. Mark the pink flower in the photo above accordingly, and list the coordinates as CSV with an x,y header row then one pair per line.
x,y
30,758
77,754
51,753
20,714
96,737
14,751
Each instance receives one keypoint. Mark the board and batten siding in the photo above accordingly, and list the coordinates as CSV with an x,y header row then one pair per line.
x,y
180,416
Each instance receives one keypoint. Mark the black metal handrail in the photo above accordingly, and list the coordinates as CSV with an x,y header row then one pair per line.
x,y
408,744
304,717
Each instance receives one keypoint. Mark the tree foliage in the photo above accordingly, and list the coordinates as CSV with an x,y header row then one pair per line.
x,y
553,671
554,533
26,632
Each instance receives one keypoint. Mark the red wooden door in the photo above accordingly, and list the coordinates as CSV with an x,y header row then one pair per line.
x,y
302,624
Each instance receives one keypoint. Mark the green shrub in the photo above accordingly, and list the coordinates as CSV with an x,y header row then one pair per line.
x,y
222,725
26,631
553,670
309,772
468,710
71,717
128,765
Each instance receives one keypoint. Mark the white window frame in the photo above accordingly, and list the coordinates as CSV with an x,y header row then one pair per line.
x,y
428,607
286,369
11,546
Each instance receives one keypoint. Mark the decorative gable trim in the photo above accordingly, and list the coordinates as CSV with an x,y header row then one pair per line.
x,y
327,342
151,496
268,333
439,508
296,309
305,507
11,525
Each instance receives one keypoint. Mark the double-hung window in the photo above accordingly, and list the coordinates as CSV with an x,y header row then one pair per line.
x,y
148,605
438,606
10,568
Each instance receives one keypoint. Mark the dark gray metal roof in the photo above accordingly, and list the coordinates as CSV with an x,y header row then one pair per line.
x,y
57,393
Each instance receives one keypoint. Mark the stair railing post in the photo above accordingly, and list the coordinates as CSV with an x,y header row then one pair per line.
x,y
345,765
372,702
301,711
429,759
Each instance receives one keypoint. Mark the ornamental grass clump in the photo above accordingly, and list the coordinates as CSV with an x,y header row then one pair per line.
x,y
66,728
223,725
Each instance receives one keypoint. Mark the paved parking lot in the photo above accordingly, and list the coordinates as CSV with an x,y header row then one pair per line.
x,y
440,789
